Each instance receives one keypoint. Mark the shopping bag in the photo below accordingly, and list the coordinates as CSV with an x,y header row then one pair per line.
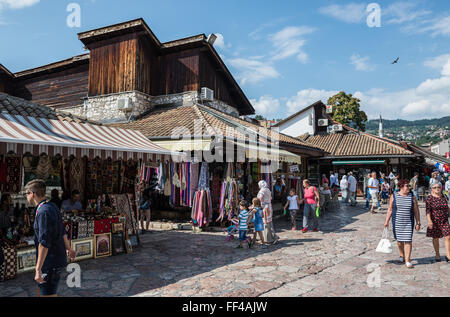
x,y
384,246
318,212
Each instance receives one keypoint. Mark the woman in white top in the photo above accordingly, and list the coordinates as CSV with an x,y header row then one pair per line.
x,y
344,189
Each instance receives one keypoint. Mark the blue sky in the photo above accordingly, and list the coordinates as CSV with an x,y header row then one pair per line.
x,y
285,54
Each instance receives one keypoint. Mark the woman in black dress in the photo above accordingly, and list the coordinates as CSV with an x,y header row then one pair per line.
x,y
437,216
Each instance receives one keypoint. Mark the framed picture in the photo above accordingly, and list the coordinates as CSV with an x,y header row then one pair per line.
x,y
128,246
84,249
102,245
134,240
118,243
26,260
117,227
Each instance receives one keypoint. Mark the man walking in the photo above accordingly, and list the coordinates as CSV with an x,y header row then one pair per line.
x,y
50,240
373,186
415,185
352,188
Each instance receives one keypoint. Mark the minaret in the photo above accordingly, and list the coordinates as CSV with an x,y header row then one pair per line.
x,y
380,129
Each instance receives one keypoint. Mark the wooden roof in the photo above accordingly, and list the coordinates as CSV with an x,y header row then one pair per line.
x,y
4,70
56,66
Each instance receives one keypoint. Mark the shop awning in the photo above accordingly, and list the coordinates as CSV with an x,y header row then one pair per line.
x,y
21,135
377,162
264,153
185,145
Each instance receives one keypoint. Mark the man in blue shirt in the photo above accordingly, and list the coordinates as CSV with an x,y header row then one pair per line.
x,y
52,245
73,203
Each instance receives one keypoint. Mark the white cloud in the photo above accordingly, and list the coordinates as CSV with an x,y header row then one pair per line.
x,y
266,105
220,42
430,99
307,97
361,63
403,12
253,70
17,4
437,26
437,62
349,13
289,42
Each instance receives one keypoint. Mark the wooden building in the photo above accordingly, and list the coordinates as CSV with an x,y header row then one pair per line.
x,y
128,57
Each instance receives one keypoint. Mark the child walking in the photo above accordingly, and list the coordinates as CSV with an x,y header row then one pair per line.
x,y
243,223
257,213
293,203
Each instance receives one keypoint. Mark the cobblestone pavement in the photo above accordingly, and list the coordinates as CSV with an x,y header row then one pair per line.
x,y
333,262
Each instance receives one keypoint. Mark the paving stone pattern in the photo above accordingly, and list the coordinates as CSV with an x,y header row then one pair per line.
x,y
332,262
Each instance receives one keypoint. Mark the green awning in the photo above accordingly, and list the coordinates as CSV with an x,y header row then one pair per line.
x,y
379,162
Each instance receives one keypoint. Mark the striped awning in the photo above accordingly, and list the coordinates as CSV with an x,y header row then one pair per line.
x,y
23,135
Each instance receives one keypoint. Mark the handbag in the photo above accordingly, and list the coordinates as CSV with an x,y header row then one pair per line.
x,y
384,246
318,212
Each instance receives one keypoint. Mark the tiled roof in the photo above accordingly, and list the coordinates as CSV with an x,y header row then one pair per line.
x,y
17,106
356,144
327,142
365,145
162,122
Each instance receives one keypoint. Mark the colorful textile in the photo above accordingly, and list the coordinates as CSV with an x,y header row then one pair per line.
x,y
102,226
43,168
107,177
13,182
68,229
77,176
10,264
94,170
128,177
115,177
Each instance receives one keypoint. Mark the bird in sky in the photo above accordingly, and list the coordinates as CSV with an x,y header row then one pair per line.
x,y
396,61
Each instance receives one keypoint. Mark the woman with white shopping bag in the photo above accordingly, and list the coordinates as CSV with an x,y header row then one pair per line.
x,y
385,245
403,209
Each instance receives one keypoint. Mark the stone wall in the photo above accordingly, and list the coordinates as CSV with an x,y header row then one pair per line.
x,y
105,109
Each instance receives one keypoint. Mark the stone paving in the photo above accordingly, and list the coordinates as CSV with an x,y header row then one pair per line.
x,y
332,262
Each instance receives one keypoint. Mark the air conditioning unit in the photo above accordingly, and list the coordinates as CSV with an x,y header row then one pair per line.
x,y
322,122
338,128
125,104
207,94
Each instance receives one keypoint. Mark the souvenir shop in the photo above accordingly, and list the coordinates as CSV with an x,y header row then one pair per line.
x,y
105,173
217,188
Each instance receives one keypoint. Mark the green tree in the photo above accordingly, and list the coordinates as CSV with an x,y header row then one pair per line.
x,y
346,110
259,117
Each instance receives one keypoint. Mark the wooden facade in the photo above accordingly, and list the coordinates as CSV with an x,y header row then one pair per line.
x,y
63,88
127,57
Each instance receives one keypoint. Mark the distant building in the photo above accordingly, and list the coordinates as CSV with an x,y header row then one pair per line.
x,y
442,148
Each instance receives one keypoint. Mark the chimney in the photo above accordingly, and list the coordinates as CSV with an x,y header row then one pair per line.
x,y
380,129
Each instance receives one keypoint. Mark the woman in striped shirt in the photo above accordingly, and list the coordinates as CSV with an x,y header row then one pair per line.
x,y
403,209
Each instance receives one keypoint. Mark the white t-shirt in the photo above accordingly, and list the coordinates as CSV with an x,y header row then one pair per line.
x,y
447,185
375,183
352,184
293,205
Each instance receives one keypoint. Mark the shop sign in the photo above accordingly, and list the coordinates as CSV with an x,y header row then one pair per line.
x,y
294,168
